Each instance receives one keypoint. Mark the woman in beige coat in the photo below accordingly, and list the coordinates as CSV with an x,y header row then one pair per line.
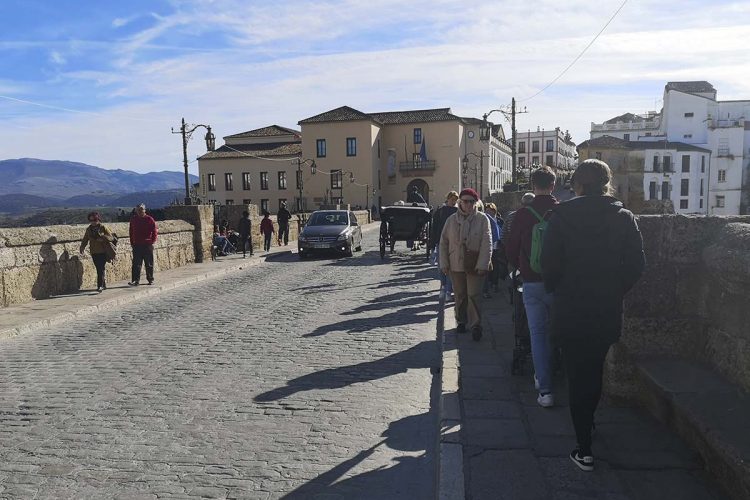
x,y
465,253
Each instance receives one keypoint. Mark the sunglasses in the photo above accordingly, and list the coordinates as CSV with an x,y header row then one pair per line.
x,y
470,200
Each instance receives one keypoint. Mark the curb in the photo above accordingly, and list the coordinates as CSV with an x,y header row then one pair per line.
x,y
136,294
450,453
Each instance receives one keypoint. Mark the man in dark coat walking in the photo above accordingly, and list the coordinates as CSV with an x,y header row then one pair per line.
x,y
283,216
591,257
244,228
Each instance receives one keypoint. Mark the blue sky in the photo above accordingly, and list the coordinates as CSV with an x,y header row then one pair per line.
x,y
126,72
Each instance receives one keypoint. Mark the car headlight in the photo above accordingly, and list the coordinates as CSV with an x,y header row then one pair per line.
x,y
344,236
302,237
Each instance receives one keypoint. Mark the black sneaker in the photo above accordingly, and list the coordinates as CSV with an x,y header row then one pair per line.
x,y
461,328
584,462
150,282
133,283
476,334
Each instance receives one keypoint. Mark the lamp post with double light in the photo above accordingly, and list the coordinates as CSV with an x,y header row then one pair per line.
x,y
465,166
186,134
300,182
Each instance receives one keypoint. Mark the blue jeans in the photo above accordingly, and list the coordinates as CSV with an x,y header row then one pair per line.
x,y
538,304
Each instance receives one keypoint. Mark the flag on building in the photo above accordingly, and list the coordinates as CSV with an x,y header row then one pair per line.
x,y
423,151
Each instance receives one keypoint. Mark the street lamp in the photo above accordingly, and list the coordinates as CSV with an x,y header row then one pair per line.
x,y
465,164
485,131
186,134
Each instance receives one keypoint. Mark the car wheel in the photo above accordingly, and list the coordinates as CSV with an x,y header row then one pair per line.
x,y
348,252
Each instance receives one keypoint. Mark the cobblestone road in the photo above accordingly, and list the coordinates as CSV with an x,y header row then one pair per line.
x,y
291,379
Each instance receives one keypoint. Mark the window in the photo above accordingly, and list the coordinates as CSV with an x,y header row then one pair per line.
x,y
264,180
684,187
212,182
701,192
281,200
534,146
652,190
351,146
246,201
550,145
687,136
336,179
229,202
320,147
648,134
700,203
534,160
549,161
282,180
228,185
417,136
626,137
299,179
703,164
264,205
598,155
378,148
719,201
246,181
521,161
686,163
683,204
688,115
722,175
521,147
665,189
667,163
656,164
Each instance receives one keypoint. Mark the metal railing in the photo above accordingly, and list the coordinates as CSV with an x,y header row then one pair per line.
x,y
417,165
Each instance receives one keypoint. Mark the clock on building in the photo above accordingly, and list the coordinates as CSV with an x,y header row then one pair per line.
x,y
471,134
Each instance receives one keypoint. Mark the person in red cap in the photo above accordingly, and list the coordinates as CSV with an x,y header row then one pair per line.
x,y
465,253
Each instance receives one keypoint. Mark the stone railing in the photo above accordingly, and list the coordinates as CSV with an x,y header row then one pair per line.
x,y
40,262
692,300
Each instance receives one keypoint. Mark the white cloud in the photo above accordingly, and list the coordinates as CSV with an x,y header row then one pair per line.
x,y
284,63
57,58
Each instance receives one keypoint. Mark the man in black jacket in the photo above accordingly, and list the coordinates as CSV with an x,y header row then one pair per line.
x,y
282,219
436,229
591,257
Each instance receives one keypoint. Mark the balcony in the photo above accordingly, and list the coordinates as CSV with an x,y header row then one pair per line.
x,y
420,166
713,123
642,125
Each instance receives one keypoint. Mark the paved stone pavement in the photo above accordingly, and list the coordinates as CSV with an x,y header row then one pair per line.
x,y
293,379
514,449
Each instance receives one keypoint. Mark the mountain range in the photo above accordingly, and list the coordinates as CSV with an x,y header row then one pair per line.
x,y
30,183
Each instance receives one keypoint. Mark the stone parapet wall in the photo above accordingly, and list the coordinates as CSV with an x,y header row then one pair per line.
x,y
39,262
692,300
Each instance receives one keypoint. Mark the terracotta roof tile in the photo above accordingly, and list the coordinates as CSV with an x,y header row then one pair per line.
x,y
255,150
271,131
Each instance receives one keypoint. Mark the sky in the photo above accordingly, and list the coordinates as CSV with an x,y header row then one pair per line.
x,y
104,82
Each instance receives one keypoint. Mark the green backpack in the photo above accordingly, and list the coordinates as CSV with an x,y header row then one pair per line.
x,y
537,238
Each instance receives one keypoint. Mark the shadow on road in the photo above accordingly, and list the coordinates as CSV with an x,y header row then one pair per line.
x,y
422,355
400,316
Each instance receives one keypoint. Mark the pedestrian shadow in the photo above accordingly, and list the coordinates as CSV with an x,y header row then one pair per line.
x,y
393,300
422,355
409,476
58,274
401,316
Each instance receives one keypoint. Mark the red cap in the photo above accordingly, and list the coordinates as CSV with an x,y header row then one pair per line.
x,y
470,192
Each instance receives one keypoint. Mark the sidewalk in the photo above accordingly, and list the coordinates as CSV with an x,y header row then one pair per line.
x,y
511,448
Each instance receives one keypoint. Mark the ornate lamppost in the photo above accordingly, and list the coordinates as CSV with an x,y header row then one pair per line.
x,y
485,130
186,134
465,165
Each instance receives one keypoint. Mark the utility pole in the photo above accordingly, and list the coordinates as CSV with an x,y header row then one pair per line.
x,y
513,175
299,185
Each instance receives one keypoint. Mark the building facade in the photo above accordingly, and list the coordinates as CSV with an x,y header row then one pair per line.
x,y
692,115
645,171
376,159
256,167
553,148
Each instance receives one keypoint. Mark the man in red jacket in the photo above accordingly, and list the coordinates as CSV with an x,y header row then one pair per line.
x,y
536,300
142,238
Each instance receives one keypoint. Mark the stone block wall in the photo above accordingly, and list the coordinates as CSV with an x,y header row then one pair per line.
x,y
692,300
39,262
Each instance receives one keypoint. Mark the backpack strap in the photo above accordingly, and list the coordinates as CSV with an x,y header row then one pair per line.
x,y
536,214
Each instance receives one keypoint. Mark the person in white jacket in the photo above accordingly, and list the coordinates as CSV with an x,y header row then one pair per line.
x,y
465,253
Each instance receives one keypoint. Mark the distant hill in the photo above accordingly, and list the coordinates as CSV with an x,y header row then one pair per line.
x,y
17,203
63,180
25,203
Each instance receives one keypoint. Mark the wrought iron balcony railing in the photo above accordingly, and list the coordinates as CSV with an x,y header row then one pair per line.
x,y
417,165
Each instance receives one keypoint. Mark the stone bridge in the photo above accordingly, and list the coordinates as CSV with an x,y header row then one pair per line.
x,y
278,378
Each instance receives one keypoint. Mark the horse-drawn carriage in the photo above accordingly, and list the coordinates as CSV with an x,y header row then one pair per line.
x,y
405,223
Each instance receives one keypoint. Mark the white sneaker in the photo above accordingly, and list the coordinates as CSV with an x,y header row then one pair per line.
x,y
536,382
546,400
441,295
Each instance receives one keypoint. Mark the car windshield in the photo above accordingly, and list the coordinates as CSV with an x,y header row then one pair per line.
x,y
328,219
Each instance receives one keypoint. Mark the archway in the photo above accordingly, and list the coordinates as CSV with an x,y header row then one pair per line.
x,y
422,188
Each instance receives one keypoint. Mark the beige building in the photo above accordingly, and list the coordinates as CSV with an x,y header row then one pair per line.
x,y
367,159
257,167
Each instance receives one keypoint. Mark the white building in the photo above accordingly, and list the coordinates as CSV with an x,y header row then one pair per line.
x,y
692,115
553,148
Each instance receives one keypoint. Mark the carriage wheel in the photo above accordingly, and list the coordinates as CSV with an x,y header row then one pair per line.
x,y
393,245
382,249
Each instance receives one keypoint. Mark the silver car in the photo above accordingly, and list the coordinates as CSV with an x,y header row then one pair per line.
x,y
330,230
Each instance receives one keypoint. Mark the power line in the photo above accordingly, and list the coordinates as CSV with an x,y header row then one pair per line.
x,y
579,55
68,110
